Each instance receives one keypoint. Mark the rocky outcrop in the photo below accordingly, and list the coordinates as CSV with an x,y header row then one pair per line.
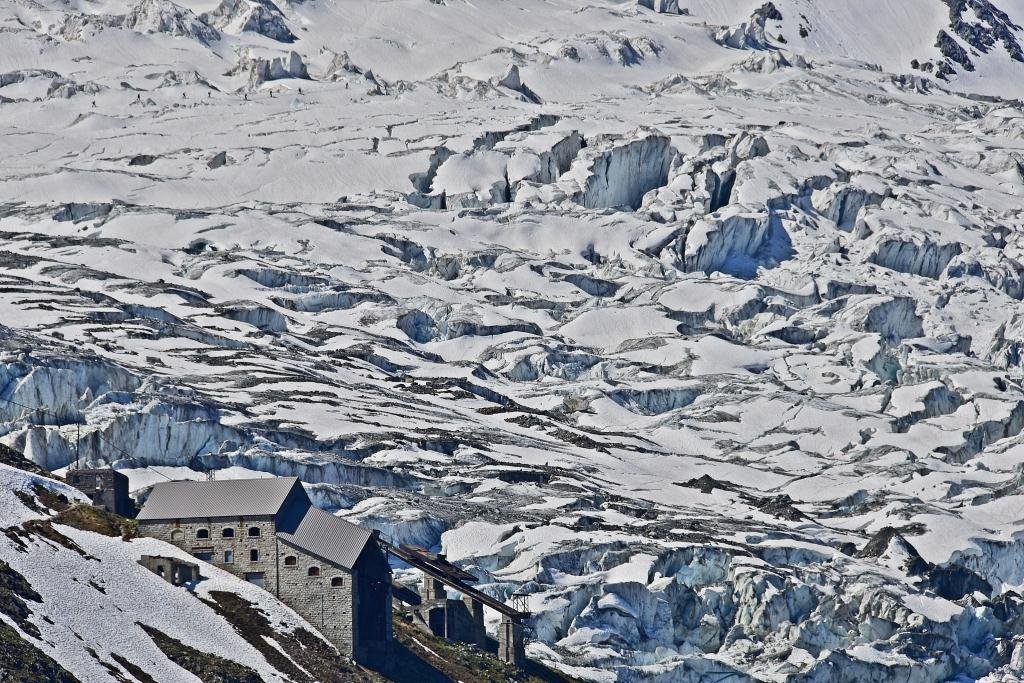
x,y
751,34
981,25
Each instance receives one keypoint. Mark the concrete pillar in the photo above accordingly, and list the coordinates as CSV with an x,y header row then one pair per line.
x,y
432,589
436,617
511,648
479,628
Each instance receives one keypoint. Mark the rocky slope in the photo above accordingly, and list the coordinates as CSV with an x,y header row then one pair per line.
x,y
703,333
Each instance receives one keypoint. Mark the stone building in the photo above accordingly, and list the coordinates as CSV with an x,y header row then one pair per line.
x,y
266,531
172,570
107,488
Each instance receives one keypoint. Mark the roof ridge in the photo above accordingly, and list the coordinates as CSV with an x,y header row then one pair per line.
x,y
191,498
332,538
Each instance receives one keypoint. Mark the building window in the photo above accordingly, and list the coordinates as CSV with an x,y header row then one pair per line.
x,y
254,531
227,532
291,561
229,557
313,571
177,535
337,582
254,555
205,556
202,533
255,577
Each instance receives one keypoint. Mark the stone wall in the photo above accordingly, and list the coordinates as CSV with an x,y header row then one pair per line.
x,y
327,607
171,569
106,488
183,534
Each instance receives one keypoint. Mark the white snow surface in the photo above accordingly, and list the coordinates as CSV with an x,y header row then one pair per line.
x,y
699,327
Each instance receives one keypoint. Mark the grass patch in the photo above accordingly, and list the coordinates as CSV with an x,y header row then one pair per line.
x,y
137,673
51,499
88,518
23,662
44,528
421,657
42,500
321,660
207,667
14,592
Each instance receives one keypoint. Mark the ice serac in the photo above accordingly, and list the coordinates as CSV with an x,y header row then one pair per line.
x,y
661,6
258,16
994,267
451,323
261,317
843,203
712,352
163,16
511,80
893,317
726,241
618,171
916,255
538,157
472,180
260,66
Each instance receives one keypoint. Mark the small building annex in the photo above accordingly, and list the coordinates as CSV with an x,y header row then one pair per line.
x,y
266,531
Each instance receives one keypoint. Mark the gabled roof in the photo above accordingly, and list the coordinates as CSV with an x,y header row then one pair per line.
x,y
329,537
226,498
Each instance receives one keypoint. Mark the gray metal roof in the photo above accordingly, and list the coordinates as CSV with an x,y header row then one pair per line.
x,y
329,537
227,498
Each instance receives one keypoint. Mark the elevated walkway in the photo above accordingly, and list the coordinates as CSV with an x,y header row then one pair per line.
x,y
460,620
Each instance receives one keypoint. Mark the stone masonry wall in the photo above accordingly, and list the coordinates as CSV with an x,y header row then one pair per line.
x,y
241,544
329,608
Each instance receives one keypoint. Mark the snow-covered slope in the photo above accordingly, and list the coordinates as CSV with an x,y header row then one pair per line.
x,y
81,601
705,334
976,44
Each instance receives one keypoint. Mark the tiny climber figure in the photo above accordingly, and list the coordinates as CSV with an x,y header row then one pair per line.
x,y
300,91
94,104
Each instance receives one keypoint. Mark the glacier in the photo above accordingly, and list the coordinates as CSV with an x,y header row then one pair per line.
x,y
697,323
